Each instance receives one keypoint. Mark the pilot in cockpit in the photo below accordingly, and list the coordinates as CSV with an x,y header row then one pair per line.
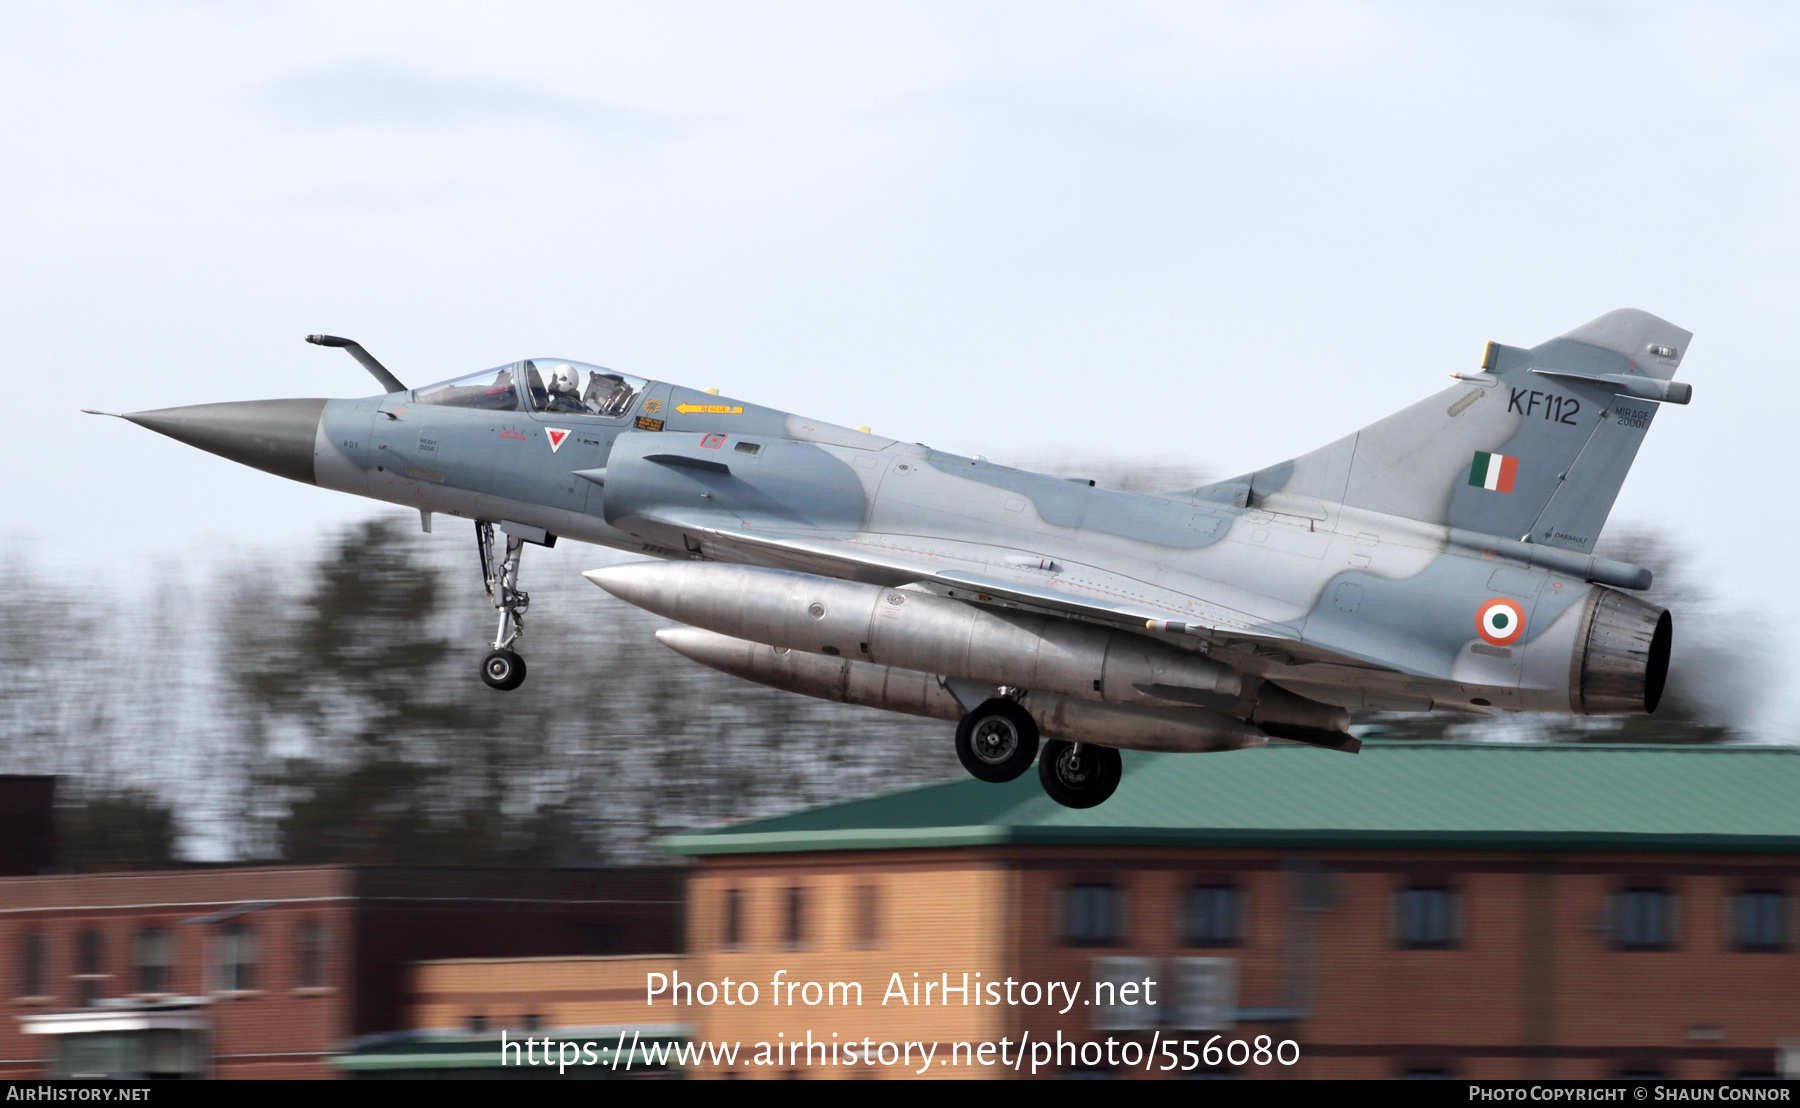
x,y
564,390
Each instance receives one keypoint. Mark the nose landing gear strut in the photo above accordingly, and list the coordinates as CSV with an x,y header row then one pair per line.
x,y
503,668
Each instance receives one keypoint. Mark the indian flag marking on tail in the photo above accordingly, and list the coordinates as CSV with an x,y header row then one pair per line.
x,y
1493,471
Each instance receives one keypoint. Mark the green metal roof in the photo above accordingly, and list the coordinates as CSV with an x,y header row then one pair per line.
x,y
1393,794
439,1050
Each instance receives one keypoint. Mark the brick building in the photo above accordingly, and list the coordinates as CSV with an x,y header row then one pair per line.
x,y
265,972
27,824
1474,910
1466,910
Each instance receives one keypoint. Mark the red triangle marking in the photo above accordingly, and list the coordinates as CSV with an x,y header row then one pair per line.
x,y
557,435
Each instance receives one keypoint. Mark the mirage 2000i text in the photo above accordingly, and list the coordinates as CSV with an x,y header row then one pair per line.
x,y
1441,558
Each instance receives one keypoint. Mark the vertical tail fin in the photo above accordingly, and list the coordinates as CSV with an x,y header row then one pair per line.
x,y
1534,447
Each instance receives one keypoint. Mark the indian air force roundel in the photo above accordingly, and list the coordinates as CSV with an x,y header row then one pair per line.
x,y
1500,622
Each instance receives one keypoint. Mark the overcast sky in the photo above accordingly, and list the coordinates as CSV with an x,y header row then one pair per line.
x,y
1217,234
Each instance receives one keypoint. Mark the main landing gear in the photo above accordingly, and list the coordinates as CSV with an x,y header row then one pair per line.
x,y
1079,775
503,668
998,740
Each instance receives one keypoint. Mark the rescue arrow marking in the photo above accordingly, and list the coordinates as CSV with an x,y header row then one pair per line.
x,y
708,409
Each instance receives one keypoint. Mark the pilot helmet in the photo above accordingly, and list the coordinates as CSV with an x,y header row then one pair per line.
x,y
564,380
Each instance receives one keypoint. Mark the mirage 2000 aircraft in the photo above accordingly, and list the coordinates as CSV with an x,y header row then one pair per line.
x,y
1440,558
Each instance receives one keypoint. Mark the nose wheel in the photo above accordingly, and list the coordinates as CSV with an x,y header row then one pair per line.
x,y
997,741
503,668
1079,775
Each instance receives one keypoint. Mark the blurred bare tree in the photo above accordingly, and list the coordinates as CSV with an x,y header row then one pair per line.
x,y
52,648
102,827
87,698
328,708
358,746
367,736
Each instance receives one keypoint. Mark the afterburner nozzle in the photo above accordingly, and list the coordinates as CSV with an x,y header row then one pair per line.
x,y
275,436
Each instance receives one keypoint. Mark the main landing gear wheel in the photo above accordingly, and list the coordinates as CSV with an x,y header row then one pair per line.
x,y
997,741
503,670
1079,775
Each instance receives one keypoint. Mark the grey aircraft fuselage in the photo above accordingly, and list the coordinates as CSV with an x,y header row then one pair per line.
x,y
1438,559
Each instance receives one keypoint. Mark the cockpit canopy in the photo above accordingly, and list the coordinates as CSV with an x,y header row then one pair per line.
x,y
491,389
550,385
555,385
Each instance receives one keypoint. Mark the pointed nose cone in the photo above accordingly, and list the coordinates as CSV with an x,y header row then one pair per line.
x,y
645,584
632,581
737,657
704,647
276,436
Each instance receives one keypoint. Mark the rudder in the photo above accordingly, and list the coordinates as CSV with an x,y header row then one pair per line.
x,y
1535,447
1622,364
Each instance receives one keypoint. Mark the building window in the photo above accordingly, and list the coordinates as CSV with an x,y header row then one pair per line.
x,y
1427,917
1644,919
731,930
796,918
597,938
1091,915
154,957
1761,920
33,955
1204,992
237,958
309,954
868,916
1214,915
87,953
90,966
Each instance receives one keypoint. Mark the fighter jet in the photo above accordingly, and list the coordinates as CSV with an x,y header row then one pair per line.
x,y
1438,559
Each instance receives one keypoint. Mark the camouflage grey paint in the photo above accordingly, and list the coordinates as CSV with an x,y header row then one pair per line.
x,y
1353,575
761,480
1083,507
